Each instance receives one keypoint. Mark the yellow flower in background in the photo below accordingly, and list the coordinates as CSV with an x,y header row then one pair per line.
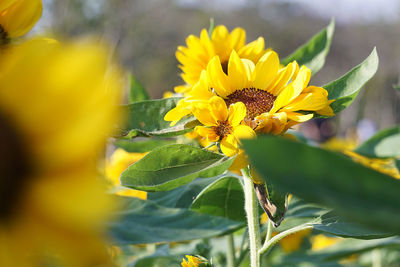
x,y
119,162
221,124
193,261
18,17
293,242
54,122
199,51
320,242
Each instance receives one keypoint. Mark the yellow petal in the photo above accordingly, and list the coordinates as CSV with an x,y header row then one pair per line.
x,y
218,109
237,72
298,117
243,132
315,100
237,112
283,98
249,67
253,50
20,17
327,110
284,76
240,162
217,79
301,81
266,70
207,133
177,113
229,145
6,3
237,38
203,114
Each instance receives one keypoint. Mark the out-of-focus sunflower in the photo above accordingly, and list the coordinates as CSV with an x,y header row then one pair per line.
x,y
17,17
199,51
119,162
276,98
57,106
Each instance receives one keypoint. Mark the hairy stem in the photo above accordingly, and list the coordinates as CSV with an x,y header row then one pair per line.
x,y
251,208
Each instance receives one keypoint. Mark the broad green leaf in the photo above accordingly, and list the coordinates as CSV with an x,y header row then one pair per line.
x,y
142,222
146,118
333,224
181,197
224,198
171,166
345,89
313,53
141,146
355,192
137,91
384,144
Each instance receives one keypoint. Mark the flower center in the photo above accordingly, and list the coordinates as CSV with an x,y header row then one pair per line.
x,y
14,169
4,40
257,101
223,129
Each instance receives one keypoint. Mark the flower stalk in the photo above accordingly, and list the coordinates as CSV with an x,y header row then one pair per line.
x,y
251,208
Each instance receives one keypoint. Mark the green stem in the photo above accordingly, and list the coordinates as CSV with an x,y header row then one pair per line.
x,y
251,208
269,232
270,243
230,255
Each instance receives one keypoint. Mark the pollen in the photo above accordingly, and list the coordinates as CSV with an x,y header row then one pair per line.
x,y
257,101
223,129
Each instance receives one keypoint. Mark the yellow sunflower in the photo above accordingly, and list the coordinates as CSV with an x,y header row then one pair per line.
x,y
275,97
223,124
17,17
199,51
57,105
194,261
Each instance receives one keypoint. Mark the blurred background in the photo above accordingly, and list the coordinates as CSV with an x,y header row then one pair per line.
x,y
145,35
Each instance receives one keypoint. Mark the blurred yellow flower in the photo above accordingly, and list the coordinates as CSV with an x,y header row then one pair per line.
x,y
320,242
222,124
57,106
199,51
18,17
119,162
293,242
192,261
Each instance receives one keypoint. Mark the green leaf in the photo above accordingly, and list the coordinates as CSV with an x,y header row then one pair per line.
x,y
142,146
384,144
181,197
345,89
142,222
171,166
396,86
137,91
313,53
224,198
157,261
333,224
146,118
355,192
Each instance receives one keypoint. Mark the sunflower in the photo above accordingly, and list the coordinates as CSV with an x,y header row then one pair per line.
x,y
199,51
194,261
223,124
17,17
54,122
275,97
